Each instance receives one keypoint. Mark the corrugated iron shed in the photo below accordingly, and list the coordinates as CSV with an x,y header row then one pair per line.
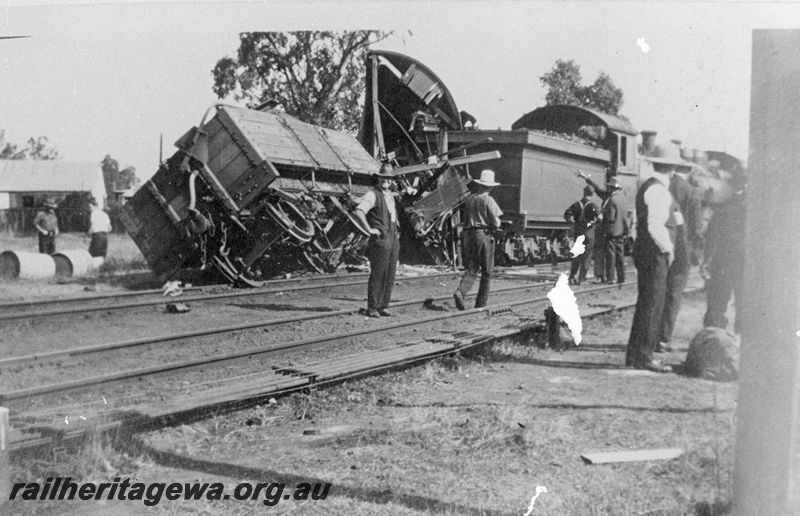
x,y
50,176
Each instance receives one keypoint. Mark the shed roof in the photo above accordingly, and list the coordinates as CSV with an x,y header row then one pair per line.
x,y
557,116
49,176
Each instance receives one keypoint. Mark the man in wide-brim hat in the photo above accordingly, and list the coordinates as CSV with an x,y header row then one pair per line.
x,y
481,223
615,230
583,214
377,212
657,219
46,223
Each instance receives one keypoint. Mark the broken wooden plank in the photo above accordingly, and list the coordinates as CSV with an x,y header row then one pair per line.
x,y
472,158
631,455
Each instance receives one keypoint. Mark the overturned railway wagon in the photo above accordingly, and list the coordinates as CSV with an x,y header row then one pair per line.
x,y
253,194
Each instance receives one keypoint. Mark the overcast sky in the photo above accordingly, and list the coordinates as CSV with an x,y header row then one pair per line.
x,y
110,78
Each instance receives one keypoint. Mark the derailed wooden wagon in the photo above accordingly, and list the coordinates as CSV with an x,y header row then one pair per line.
x,y
253,194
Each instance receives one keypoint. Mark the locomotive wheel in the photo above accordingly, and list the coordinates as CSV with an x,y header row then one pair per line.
x,y
291,220
228,270
313,262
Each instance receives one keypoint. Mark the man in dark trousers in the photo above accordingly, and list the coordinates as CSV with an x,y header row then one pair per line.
x,y
46,223
481,222
99,228
615,229
653,254
378,214
687,235
723,263
583,215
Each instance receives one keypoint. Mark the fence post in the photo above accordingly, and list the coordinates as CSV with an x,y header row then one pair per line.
x,y
767,467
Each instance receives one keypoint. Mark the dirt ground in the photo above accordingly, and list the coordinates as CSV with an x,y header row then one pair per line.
x,y
466,435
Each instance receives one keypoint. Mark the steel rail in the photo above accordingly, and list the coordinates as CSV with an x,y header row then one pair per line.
x,y
252,352
500,273
72,352
158,291
192,299
148,421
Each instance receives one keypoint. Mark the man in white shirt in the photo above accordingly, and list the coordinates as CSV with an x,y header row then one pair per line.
x,y
378,214
99,228
657,217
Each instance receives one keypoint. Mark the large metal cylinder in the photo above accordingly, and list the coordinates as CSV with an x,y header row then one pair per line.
x,y
74,263
26,265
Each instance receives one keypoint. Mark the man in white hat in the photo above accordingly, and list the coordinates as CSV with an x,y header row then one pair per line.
x,y
378,214
481,221
653,254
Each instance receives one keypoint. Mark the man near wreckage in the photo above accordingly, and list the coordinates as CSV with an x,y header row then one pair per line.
x,y
481,222
377,212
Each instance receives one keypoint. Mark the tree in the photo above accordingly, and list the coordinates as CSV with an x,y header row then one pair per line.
x,y
116,179
36,149
563,84
316,76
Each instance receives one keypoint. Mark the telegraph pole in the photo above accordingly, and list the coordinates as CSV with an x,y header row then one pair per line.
x,y
767,465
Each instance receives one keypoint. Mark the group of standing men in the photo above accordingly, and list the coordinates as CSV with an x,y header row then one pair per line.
x,y
46,225
605,226
378,214
668,233
667,230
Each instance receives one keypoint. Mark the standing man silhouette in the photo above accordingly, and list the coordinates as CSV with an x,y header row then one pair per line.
x,y
481,222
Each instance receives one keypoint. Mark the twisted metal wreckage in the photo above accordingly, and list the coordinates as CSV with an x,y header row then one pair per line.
x,y
257,193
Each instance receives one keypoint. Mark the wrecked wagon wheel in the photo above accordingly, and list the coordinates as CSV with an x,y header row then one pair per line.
x,y
229,270
291,220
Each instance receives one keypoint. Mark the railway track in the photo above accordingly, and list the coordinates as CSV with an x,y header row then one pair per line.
x,y
256,385
78,304
132,343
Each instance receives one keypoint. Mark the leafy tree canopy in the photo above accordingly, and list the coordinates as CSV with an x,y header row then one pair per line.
x,y
564,86
316,76
36,148
116,179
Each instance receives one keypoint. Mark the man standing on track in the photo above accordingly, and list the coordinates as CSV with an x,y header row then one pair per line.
x,y
615,229
481,222
46,223
653,254
583,215
378,214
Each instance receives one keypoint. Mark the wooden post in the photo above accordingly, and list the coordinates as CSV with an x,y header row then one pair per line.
x,y
5,474
379,150
766,468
